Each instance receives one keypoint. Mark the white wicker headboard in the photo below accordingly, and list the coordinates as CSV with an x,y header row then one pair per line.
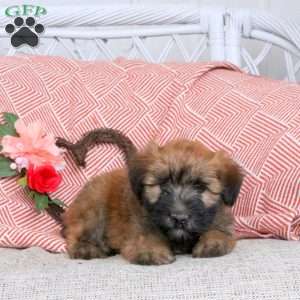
x,y
251,39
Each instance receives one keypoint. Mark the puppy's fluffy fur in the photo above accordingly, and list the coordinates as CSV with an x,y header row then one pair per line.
x,y
171,199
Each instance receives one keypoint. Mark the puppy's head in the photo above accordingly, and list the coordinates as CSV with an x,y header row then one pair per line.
x,y
182,184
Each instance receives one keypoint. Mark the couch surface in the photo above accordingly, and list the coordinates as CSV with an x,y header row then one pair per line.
x,y
256,269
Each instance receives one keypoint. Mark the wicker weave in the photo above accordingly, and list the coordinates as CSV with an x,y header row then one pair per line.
x,y
169,32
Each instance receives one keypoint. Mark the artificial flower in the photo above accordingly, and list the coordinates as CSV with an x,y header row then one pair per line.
x,y
33,146
43,179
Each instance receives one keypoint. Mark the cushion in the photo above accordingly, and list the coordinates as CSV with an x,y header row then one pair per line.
x,y
256,269
255,119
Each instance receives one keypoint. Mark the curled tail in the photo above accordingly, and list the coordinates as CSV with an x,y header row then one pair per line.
x,y
81,147
97,137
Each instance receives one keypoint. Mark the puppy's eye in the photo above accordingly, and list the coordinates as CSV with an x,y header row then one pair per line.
x,y
164,192
200,186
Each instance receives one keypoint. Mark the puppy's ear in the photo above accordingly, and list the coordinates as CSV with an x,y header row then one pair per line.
x,y
138,168
231,176
136,173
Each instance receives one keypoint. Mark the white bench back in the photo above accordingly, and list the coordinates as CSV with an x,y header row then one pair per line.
x,y
252,40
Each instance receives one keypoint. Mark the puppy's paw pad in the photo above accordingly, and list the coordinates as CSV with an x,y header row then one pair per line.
x,y
212,248
153,258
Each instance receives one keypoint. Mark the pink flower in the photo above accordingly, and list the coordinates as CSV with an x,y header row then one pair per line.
x,y
33,146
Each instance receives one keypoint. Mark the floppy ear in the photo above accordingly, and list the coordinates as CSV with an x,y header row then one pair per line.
x,y
231,176
136,173
138,168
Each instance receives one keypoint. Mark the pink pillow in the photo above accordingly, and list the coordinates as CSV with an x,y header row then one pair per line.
x,y
72,97
254,119
257,121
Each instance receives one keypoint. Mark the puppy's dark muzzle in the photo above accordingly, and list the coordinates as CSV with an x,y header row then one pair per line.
x,y
180,220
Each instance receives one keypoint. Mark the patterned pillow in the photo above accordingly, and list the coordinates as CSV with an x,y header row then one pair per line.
x,y
72,97
256,120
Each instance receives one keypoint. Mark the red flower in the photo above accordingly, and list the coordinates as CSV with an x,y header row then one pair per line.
x,y
43,179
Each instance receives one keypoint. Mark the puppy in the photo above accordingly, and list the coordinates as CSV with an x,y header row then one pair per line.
x,y
171,199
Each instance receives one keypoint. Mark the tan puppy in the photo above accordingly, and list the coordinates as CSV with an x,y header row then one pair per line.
x,y
171,199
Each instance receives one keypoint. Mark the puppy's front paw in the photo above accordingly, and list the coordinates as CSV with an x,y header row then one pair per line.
x,y
84,250
152,257
213,243
147,250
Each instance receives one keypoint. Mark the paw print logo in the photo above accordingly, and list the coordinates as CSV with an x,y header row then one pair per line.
x,y
27,33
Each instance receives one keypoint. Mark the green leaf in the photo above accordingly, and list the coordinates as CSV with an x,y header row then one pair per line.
x,y
58,202
9,127
5,170
22,181
31,193
41,201
7,130
10,118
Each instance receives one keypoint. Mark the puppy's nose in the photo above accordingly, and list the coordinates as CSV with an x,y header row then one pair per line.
x,y
180,219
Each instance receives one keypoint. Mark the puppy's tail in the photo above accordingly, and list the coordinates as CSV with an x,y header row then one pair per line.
x,y
80,148
97,137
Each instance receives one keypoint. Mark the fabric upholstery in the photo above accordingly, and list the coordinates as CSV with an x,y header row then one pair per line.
x,y
255,270
256,120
